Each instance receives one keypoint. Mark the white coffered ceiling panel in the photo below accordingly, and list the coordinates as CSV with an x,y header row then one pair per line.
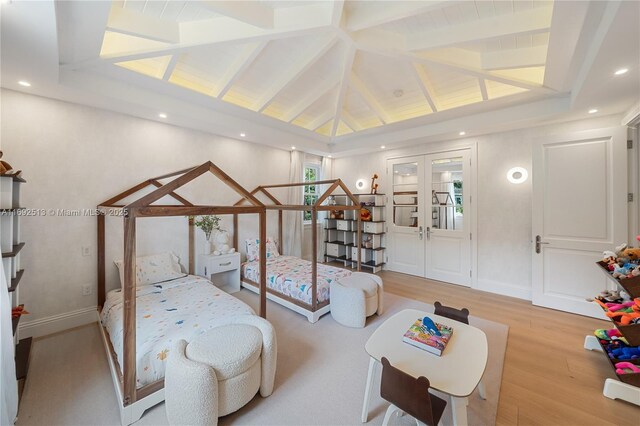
x,y
345,72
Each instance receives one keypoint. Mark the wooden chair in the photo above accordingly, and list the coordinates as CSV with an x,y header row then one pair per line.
x,y
461,315
409,395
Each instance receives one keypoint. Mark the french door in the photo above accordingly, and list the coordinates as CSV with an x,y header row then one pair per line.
x,y
579,210
429,232
406,223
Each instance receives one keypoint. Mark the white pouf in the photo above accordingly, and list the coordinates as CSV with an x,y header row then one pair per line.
x,y
356,297
220,371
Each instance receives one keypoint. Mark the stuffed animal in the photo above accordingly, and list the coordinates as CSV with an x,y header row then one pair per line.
x,y
604,334
631,253
626,352
4,166
612,296
626,368
609,257
619,249
620,271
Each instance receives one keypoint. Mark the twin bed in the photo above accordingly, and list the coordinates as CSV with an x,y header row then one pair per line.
x,y
142,320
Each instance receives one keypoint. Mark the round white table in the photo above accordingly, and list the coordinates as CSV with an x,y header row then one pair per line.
x,y
457,372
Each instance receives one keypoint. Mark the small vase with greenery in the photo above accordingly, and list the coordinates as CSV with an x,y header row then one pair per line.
x,y
207,223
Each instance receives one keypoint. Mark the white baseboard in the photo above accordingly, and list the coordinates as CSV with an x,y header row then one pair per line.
x,y
57,323
504,289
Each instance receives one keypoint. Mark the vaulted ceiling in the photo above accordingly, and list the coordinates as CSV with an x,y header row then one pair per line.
x,y
336,68
334,77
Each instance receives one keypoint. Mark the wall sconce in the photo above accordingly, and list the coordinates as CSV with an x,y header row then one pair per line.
x,y
360,184
517,175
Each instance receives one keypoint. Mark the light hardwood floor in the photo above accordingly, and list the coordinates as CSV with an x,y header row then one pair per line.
x,y
548,378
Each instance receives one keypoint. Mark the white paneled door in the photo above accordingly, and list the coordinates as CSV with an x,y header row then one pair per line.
x,y
406,213
579,210
448,248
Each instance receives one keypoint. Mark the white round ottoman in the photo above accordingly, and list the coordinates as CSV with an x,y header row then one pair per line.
x,y
355,298
214,375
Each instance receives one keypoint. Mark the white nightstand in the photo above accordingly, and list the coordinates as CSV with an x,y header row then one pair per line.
x,y
222,270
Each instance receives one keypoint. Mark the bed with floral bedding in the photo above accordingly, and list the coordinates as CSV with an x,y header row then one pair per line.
x,y
291,276
166,312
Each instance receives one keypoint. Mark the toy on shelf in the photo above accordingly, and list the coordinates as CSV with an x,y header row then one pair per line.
x,y
626,352
626,367
609,335
374,185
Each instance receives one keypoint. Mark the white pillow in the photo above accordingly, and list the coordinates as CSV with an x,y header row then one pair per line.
x,y
253,249
153,269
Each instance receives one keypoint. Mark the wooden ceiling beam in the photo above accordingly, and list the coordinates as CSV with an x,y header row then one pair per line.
x,y
425,85
370,100
483,89
312,96
344,85
351,122
309,58
527,22
514,58
289,22
244,60
379,13
170,67
321,120
254,13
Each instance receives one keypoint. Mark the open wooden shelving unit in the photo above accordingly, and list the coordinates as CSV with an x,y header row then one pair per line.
x,y
627,387
341,235
12,245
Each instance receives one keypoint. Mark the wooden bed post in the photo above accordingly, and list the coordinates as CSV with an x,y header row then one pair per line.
x,y
235,232
129,337
359,242
280,242
192,246
314,261
263,263
101,261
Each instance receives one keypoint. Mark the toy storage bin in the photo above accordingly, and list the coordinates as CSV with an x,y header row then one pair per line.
x,y
336,250
15,199
6,231
630,332
343,225
6,192
373,227
364,256
631,285
330,224
632,378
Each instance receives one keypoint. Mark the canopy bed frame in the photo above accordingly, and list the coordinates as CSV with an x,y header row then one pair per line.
x,y
314,310
135,401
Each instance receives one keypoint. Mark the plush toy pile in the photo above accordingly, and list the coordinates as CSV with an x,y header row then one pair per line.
x,y
621,354
624,262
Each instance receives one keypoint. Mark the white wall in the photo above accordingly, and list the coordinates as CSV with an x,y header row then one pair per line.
x,y
74,157
504,209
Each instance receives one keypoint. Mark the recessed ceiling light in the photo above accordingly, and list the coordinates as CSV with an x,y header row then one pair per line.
x,y
398,93
293,148
329,156
382,147
24,83
593,111
162,115
462,133
242,135
621,71
396,171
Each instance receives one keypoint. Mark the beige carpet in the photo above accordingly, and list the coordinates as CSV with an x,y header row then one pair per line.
x,y
322,369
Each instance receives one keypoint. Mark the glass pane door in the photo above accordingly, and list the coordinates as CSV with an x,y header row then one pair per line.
x,y
447,210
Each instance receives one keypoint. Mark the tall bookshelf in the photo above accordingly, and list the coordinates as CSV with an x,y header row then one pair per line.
x,y
341,232
11,244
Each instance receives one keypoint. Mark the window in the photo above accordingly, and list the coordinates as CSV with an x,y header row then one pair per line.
x,y
310,193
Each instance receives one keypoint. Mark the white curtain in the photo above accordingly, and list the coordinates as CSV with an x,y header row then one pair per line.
x,y
8,383
326,172
293,219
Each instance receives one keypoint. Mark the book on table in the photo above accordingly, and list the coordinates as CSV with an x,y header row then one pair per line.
x,y
421,337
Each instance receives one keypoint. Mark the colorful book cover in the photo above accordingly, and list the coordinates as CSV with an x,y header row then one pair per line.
x,y
419,336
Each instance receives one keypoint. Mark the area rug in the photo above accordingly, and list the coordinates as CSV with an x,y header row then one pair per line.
x,y
322,370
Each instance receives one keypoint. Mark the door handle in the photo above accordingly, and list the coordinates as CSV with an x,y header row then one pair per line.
x,y
420,232
428,233
539,242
